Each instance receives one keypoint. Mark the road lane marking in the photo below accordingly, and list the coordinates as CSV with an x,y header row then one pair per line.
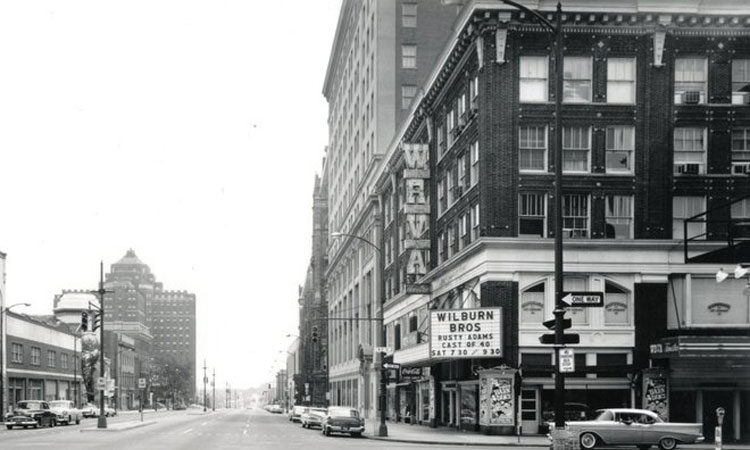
x,y
204,423
187,431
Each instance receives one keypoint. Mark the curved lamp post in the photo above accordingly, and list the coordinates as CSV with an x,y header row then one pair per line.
x,y
2,351
382,428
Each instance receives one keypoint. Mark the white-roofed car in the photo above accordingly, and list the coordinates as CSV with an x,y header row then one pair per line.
x,y
66,411
636,427
312,417
295,413
343,419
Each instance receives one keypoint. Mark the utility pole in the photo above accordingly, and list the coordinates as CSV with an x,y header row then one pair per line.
x,y
102,422
213,389
205,380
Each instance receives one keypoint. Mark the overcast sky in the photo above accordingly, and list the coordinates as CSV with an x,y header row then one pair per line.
x,y
190,131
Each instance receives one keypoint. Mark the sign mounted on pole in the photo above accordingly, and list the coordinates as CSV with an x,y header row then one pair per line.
x,y
567,360
141,383
101,384
583,299
466,333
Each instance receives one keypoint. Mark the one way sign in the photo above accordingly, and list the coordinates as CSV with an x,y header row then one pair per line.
x,y
583,299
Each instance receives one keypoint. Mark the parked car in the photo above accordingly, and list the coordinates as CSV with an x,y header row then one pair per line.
x,y
637,427
90,410
312,417
66,411
343,419
295,412
180,407
31,413
109,411
274,409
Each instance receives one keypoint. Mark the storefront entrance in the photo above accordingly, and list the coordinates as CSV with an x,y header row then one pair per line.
x,y
530,411
448,411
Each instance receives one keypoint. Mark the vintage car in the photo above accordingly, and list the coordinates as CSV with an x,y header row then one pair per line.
x,y
90,410
109,411
66,411
312,417
637,427
295,412
31,413
343,419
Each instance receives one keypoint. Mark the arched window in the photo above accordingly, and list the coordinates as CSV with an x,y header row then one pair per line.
x,y
532,304
616,305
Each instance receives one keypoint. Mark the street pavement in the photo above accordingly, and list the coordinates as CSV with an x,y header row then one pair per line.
x,y
183,430
223,429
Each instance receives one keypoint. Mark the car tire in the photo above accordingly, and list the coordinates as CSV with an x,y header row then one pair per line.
x,y
667,443
327,431
70,420
10,427
588,440
53,423
357,435
644,447
78,420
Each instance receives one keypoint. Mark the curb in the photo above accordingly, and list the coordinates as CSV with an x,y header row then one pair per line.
x,y
465,444
129,426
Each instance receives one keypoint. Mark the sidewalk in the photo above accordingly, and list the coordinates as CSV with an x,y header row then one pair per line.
x,y
420,434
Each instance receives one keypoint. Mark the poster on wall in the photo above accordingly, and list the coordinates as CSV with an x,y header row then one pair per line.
x,y
656,393
496,402
468,405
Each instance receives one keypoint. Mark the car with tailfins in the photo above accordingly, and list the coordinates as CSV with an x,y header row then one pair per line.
x,y
66,411
343,419
634,427
312,417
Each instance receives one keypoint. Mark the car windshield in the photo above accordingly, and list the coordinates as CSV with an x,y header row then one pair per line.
x,y
298,409
343,412
59,404
29,405
317,411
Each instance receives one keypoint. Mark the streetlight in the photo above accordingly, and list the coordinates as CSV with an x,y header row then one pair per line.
x,y
2,351
383,428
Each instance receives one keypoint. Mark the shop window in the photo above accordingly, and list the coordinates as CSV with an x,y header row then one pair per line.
x,y
690,80
611,359
684,207
577,79
689,150
620,147
534,72
536,359
532,304
616,305
619,216
532,148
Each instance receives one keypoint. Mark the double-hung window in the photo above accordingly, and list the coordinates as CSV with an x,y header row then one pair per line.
x,y
451,241
532,214
441,205
450,125
36,356
618,214
741,81
473,92
577,79
440,140
576,215
474,171
463,226
690,80
620,147
408,92
450,192
409,56
534,73
684,207
740,214
16,353
689,150
576,149
409,15
475,222
741,151
441,247
461,108
51,358
532,154
621,80
461,185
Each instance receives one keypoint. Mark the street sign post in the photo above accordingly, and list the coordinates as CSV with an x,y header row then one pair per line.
x,y
567,360
391,366
583,299
141,383
101,384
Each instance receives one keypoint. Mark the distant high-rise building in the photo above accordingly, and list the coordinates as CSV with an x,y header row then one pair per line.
x,y
139,301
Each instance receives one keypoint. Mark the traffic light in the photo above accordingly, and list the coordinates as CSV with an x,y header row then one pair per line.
x,y
315,334
84,321
97,322
568,338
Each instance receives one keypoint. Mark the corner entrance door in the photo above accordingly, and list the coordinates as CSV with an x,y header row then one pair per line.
x,y
530,410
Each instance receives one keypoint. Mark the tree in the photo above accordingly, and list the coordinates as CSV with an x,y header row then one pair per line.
x,y
171,378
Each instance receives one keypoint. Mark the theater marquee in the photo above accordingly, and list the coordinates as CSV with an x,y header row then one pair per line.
x,y
466,333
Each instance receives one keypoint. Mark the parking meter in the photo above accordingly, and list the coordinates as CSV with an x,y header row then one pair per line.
x,y
720,412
